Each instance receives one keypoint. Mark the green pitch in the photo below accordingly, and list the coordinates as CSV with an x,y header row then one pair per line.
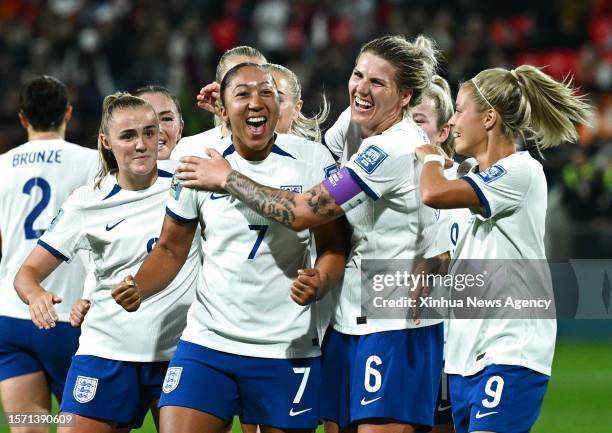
x,y
579,397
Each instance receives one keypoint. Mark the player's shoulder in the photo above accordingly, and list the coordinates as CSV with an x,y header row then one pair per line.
x,y
518,167
310,153
301,148
401,138
195,144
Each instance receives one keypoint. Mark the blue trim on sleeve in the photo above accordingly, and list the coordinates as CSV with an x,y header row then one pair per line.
x,y
281,152
480,194
231,149
113,192
163,173
179,218
363,185
52,250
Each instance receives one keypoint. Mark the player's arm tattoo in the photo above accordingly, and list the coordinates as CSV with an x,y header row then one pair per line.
x,y
293,210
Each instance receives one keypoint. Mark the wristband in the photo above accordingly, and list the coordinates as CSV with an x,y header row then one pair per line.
x,y
433,158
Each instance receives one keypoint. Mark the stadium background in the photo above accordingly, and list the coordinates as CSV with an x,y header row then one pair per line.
x,y
100,46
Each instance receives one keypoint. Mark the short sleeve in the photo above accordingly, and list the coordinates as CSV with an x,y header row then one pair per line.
x,y
335,137
182,205
63,238
501,187
379,167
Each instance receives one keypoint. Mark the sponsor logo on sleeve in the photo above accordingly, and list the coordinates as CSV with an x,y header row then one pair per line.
x,y
330,169
175,188
371,158
55,219
85,389
492,173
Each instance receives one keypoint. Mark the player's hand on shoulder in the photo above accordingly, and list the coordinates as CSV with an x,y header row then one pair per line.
x,y
204,173
306,286
208,97
431,149
126,294
42,311
78,311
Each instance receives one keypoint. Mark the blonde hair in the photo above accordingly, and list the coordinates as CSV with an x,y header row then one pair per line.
x,y
306,127
116,101
530,101
414,62
240,51
439,91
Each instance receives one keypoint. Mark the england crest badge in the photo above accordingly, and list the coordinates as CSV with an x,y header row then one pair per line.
x,y
171,381
85,389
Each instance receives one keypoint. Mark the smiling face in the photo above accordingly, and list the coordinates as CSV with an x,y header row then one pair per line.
x,y
468,124
170,122
133,137
427,116
289,107
376,103
251,109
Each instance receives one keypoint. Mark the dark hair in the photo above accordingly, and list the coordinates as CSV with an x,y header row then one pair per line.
x,y
43,101
227,78
160,89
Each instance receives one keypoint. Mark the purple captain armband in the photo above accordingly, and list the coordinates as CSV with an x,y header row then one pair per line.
x,y
341,186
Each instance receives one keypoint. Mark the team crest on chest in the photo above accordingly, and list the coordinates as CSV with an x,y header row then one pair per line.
x,y
171,381
292,188
85,389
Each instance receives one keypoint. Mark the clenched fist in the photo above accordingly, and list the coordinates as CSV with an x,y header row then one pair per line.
x,y
127,295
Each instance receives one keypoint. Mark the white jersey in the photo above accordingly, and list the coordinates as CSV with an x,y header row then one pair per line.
x,y
392,224
443,218
243,305
119,228
513,192
195,144
343,138
37,177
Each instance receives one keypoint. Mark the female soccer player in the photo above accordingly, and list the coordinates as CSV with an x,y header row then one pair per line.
x,y
499,368
432,115
207,100
37,177
251,335
367,362
168,110
122,358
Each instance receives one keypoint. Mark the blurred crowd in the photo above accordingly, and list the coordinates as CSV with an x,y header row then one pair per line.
x,y
100,46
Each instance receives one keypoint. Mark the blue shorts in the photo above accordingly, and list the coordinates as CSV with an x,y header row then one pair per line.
x,y
26,349
110,390
444,414
281,393
501,398
391,374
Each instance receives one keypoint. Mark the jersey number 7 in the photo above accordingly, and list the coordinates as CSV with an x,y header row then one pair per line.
x,y
262,232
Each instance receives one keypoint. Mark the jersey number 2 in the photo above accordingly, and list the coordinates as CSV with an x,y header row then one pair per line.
x,y
28,225
262,232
